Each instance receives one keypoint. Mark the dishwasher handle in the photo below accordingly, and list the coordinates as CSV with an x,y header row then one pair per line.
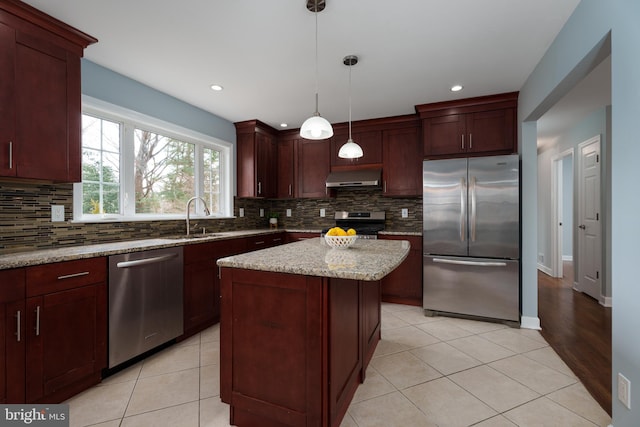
x,y
145,261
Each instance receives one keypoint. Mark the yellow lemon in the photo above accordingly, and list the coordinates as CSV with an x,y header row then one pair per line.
x,y
332,232
340,232
351,232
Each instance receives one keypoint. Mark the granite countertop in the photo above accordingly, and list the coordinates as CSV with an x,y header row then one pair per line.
x,y
365,260
46,256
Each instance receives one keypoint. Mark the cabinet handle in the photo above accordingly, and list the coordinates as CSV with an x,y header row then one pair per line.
x,y
18,317
470,141
37,320
462,143
70,276
277,240
10,154
289,189
385,186
260,243
259,188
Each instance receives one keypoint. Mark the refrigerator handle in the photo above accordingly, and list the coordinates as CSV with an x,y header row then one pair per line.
x,y
463,208
473,209
472,263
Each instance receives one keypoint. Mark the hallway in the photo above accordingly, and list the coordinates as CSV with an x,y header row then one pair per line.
x,y
578,328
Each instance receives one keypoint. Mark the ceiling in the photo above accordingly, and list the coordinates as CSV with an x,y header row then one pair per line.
x,y
262,52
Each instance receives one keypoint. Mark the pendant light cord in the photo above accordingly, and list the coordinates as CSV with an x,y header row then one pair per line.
x,y
350,66
317,84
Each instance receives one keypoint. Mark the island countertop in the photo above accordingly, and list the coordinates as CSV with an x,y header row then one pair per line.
x,y
366,260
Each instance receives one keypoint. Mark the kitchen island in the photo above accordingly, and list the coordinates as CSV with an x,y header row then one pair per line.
x,y
299,325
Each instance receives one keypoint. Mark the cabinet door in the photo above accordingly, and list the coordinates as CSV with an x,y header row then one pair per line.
x,y
66,340
266,166
286,170
491,131
12,335
246,174
404,284
402,170
201,301
47,83
370,141
313,168
7,100
444,135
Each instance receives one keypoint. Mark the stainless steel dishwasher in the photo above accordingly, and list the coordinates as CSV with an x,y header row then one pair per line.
x,y
145,301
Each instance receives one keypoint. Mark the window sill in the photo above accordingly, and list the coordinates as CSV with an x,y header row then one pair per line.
x,y
107,220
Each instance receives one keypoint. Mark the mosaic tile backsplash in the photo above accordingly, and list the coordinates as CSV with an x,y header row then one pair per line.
x,y
25,217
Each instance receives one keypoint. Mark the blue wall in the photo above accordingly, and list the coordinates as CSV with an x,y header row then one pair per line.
x,y
109,86
578,47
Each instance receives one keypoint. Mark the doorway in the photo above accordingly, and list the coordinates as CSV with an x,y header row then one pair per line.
x,y
562,210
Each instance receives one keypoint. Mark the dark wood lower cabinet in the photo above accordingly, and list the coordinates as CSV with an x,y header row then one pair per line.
x,y
12,336
294,348
404,284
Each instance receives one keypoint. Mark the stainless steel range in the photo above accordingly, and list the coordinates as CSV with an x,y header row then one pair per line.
x,y
366,224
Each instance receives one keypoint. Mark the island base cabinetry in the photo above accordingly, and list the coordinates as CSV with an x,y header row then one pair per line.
x,y
294,348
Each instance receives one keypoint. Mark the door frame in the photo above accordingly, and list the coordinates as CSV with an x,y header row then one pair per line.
x,y
556,208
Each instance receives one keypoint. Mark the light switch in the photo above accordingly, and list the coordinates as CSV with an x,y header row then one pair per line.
x,y
241,212
405,213
288,212
261,212
322,213
57,213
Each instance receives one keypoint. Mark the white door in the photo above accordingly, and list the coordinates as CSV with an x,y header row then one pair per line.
x,y
588,228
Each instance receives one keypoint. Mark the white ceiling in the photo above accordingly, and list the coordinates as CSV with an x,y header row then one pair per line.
x,y
410,51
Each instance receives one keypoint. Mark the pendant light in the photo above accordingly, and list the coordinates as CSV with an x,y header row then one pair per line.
x,y
350,150
316,127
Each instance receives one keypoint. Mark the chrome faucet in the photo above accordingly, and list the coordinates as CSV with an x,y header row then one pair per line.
x,y
206,209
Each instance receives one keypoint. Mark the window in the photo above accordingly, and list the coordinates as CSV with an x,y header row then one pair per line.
x,y
137,167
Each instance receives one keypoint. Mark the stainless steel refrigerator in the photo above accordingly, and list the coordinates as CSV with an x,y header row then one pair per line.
x,y
471,237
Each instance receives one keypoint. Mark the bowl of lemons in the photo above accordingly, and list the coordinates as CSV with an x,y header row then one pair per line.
x,y
339,238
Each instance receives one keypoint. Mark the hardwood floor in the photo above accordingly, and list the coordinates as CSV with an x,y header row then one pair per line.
x,y
578,328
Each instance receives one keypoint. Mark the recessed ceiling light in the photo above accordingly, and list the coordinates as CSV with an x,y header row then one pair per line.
x,y
283,125
217,88
456,88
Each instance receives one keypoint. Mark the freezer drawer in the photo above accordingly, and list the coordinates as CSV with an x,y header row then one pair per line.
x,y
480,287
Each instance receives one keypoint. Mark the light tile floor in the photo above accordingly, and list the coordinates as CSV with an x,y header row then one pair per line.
x,y
427,371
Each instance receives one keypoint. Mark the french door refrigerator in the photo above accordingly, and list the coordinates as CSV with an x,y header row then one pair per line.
x,y
471,237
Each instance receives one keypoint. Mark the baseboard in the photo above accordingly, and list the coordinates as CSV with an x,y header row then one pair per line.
x,y
546,270
527,322
567,257
606,301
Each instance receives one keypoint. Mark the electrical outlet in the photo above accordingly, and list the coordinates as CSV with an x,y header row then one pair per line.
x,y
288,212
405,213
261,212
322,213
57,213
241,212
624,390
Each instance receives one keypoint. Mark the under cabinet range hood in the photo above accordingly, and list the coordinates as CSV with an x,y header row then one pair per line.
x,y
355,178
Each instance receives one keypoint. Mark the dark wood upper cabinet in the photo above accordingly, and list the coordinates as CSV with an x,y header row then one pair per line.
x,y
287,168
470,127
257,158
40,96
402,167
314,166
370,141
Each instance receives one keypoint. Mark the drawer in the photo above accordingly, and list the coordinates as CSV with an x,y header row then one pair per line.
x,y
11,285
47,278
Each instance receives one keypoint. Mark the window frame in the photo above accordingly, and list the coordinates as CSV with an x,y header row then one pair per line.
x,y
131,120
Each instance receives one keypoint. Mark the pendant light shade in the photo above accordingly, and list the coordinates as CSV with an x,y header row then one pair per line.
x,y
350,150
316,127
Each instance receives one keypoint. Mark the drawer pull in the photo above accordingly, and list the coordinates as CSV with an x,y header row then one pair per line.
x,y
10,155
18,316
70,276
277,240
37,320
261,242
